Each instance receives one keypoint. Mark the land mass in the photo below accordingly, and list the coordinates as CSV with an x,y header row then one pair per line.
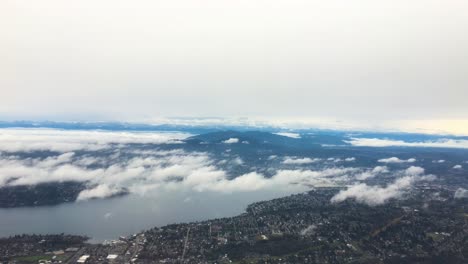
x,y
302,228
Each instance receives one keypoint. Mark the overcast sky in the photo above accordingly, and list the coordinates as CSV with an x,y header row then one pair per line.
x,y
361,60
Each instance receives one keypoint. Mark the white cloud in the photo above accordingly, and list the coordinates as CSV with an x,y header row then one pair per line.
x,y
231,141
350,159
247,182
372,173
308,230
376,142
291,160
380,169
108,215
172,170
377,195
288,134
33,171
141,171
100,191
396,160
17,171
414,170
325,177
237,161
458,167
438,161
461,193
298,179
15,140
53,161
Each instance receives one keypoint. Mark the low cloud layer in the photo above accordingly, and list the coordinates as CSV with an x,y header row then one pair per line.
x,y
376,142
461,193
26,140
396,160
100,191
110,162
145,170
288,134
377,195
372,173
231,141
299,161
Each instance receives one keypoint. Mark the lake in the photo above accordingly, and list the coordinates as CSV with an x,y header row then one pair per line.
x,y
107,219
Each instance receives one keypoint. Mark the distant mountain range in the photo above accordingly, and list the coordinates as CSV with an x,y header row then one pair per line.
x,y
267,138
322,136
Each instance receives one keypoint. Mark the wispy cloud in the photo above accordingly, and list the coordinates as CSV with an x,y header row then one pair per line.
x,y
396,160
461,193
100,191
376,142
299,161
142,171
282,179
376,195
372,173
16,140
231,141
137,169
288,134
